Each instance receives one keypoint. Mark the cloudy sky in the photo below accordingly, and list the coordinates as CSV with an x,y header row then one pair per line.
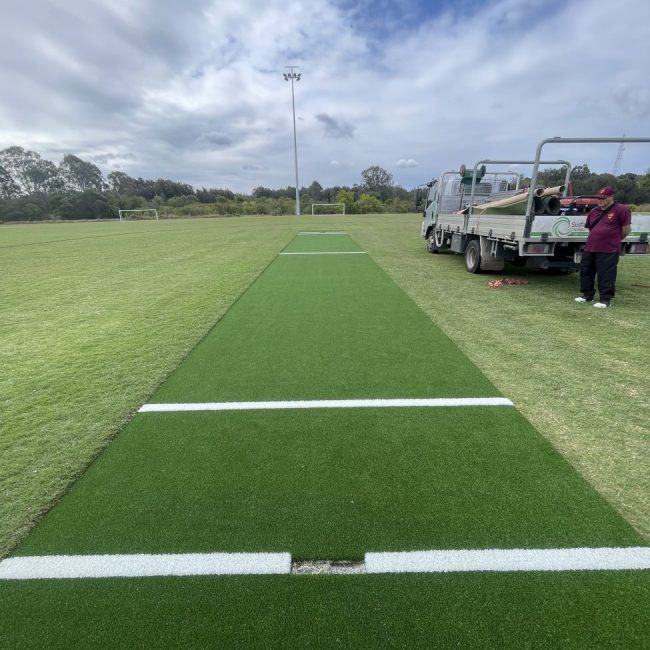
x,y
192,90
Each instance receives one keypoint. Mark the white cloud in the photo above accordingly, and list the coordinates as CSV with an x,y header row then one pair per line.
x,y
193,90
407,162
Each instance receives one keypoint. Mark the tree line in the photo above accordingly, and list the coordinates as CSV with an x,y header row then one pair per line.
x,y
632,189
33,189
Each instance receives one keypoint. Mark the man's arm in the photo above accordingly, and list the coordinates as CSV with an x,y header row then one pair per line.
x,y
626,226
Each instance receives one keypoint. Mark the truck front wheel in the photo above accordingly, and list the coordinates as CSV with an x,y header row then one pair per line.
x,y
432,246
473,256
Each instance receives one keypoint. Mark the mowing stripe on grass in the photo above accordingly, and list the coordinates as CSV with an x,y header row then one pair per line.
x,y
140,565
327,253
552,559
327,404
439,561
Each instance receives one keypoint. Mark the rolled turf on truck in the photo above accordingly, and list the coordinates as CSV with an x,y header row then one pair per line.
x,y
479,214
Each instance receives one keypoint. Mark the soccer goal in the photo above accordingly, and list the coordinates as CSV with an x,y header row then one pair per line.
x,y
327,209
132,215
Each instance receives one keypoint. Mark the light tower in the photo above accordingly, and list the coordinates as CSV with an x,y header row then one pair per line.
x,y
291,76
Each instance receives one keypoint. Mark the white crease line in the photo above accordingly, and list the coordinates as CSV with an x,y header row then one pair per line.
x,y
554,559
329,253
131,566
325,404
312,232
191,564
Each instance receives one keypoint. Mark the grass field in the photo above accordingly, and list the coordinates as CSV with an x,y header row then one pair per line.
x,y
111,312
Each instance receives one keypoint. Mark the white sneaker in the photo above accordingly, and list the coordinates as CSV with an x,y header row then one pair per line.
x,y
582,299
601,305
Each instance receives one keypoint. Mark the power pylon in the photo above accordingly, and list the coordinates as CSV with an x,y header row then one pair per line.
x,y
619,156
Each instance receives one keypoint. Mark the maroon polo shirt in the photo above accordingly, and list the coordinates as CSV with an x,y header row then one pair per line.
x,y
606,228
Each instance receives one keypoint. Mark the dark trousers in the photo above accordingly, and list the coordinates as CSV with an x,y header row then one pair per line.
x,y
604,266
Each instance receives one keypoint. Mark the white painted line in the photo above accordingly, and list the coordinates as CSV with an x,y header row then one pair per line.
x,y
553,559
327,404
191,564
329,253
329,232
130,566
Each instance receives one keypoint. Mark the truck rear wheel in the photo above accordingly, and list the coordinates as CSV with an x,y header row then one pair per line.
x,y
473,256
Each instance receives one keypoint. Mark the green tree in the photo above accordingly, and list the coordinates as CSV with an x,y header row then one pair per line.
x,y
79,175
368,204
378,182
44,177
551,177
85,205
263,192
20,165
24,208
121,183
644,186
347,197
402,206
181,201
8,187
315,191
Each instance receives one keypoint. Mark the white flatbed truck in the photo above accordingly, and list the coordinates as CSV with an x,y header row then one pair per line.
x,y
540,236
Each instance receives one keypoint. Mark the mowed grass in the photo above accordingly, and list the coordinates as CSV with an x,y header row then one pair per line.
x,y
95,316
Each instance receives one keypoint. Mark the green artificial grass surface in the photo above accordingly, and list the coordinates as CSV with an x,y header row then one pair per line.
x,y
328,484
529,610
328,241
316,327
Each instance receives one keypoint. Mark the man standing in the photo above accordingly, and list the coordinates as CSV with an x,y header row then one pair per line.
x,y
608,224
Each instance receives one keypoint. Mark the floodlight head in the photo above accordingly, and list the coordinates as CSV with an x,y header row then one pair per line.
x,y
298,76
286,78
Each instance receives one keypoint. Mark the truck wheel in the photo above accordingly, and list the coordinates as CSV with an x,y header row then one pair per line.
x,y
473,256
432,246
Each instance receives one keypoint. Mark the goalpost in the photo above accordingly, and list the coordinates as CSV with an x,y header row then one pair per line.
x,y
139,214
326,207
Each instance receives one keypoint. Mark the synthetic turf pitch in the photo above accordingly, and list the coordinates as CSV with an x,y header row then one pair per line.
x,y
328,484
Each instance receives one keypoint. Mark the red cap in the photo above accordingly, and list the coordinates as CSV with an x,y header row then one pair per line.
x,y
605,192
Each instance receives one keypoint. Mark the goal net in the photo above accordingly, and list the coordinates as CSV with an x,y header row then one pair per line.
x,y
327,208
133,215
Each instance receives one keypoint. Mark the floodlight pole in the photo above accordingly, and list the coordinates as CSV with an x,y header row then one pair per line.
x,y
291,75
